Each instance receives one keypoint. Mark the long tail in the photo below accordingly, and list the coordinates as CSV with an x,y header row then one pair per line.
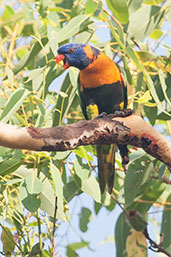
x,y
106,166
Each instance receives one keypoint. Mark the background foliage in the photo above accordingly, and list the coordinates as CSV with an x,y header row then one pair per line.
x,y
37,188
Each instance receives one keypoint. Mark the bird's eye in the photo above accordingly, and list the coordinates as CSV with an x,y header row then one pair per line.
x,y
71,50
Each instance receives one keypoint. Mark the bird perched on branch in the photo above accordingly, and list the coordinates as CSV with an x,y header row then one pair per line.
x,y
102,89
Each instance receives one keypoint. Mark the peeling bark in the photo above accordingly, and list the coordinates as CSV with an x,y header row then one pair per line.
x,y
108,129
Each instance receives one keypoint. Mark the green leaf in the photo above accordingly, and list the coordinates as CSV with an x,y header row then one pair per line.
x,y
11,17
73,27
138,173
36,76
166,226
145,98
164,88
36,249
70,190
13,104
56,176
120,10
62,155
41,117
8,12
147,197
156,34
35,49
47,197
90,7
7,241
10,75
161,170
89,184
134,5
137,220
52,35
85,218
121,233
149,81
63,104
30,201
81,152
144,21
75,246
33,184
9,166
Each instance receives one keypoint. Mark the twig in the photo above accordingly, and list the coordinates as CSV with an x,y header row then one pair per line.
x,y
154,246
53,232
40,234
116,201
164,179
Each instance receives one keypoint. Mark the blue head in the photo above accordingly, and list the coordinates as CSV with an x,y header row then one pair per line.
x,y
77,55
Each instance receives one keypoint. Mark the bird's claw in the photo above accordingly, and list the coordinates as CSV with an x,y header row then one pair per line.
x,y
123,113
101,115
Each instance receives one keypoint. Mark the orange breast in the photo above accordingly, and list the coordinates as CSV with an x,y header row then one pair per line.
x,y
102,71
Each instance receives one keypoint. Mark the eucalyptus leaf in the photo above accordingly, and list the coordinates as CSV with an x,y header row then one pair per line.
x,y
144,21
121,232
56,176
73,27
35,49
89,184
120,9
138,173
13,104
85,217
166,225
33,185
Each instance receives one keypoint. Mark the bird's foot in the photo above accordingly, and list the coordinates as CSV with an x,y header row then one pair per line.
x,y
101,115
123,113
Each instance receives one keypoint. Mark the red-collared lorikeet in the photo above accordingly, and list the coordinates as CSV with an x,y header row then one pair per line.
x,y
102,89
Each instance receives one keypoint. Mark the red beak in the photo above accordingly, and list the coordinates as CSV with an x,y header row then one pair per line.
x,y
61,57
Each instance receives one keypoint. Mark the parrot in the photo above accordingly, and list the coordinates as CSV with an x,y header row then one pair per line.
x,y
102,89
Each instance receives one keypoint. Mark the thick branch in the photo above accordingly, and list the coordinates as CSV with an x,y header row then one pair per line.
x,y
108,129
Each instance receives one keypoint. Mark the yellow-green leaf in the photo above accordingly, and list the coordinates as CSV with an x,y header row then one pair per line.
x,y
136,244
120,9
7,241
145,98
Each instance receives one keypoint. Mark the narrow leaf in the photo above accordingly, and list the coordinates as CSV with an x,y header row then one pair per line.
x,y
7,241
9,166
35,49
121,233
86,216
136,244
33,184
166,225
13,104
120,9
144,21
138,173
56,176
30,202
73,27
89,184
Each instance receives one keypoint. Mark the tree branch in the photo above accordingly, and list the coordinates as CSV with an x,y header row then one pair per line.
x,y
106,129
154,246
